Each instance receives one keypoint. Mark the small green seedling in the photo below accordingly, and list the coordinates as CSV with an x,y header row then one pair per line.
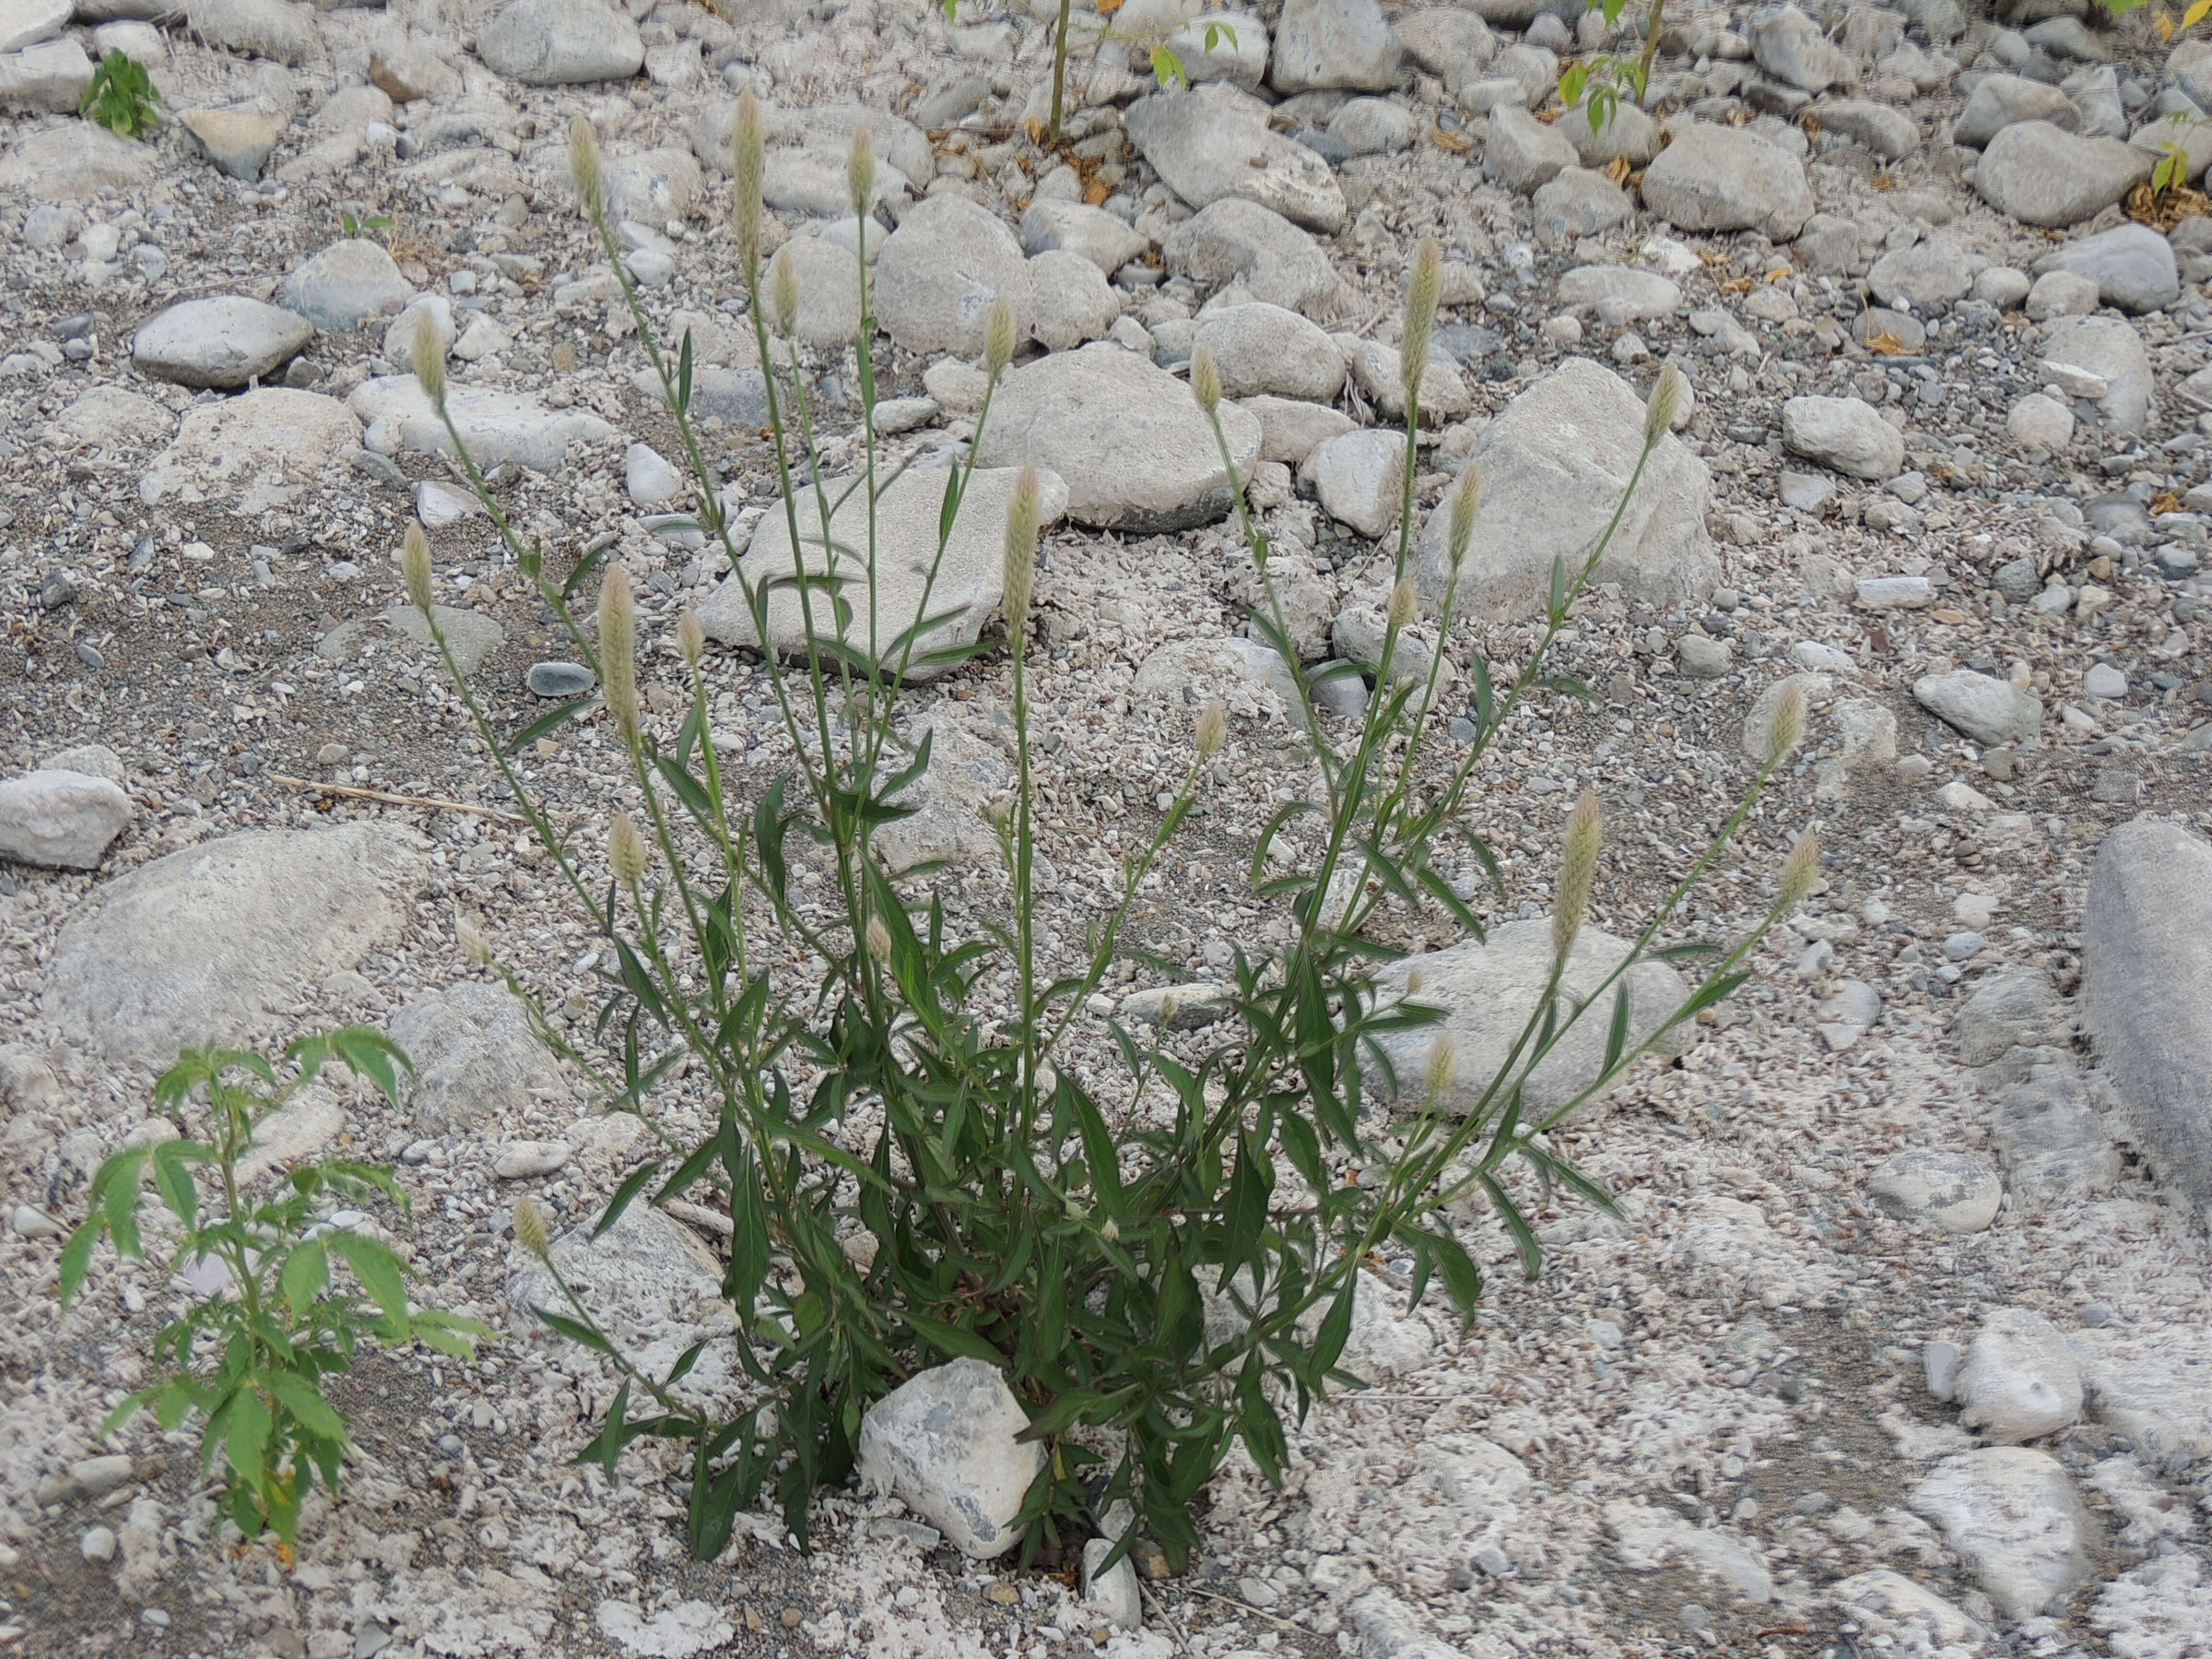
x,y
271,1322
121,97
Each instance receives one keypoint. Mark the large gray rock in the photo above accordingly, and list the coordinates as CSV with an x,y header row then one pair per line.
x,y
2102,358
1621,296
1249,679
1450,42
221,342
61,819
1490,989
73,161
1360,478
54,75
1074,301
1998,101
220,941
2147,993
477,1061
1714,178
1953,1192
259,29
26,22
266,446
1624,131
1553,467
649,1281
1847,433
2053,1145
969,582
555,43
942,270
1521,152
2043,175
948,818
2012,1516
1050,225
1989,710
945,1442
1137,453
2132,265
2019,1381
1889,132
1580,202
1211,142
2010,1007
1334,43
1235,241
346,284
1921,278
1791,47
496,426
1262,348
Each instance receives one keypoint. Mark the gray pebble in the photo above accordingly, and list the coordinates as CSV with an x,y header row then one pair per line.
x,y
559,679
1959,947
98,1544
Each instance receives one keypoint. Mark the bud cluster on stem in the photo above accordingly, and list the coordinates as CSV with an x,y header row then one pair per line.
x,y
1578,873
1424,290
415,566
1024,514
748,173
584,170
618,651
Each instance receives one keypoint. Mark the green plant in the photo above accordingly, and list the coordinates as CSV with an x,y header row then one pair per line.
x,y
1166,1260
1606,76
122,98
354,227
250,1357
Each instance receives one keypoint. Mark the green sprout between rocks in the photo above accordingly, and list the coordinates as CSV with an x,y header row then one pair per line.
x,y
122,98
1162,1257
270,1323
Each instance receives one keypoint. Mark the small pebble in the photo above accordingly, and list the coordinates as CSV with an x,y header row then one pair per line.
x,y
559,679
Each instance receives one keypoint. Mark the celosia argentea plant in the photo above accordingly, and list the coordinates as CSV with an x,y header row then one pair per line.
x,y
1073,1227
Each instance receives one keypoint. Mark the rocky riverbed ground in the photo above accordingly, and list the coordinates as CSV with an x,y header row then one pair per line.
x,y
1904,1345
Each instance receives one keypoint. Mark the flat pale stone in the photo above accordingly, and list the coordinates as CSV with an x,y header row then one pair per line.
x,y
221,940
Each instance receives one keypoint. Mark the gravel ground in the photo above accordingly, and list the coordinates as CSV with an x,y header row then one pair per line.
x,y
1694,1425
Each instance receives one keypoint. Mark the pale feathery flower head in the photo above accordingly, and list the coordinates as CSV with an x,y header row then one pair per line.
x,y
783,292
880,939
1213,728
429,360
1800,871
530,1230
1404,604
998,338
748,174
1787,729
618,650
1577,872
1024,514
690,638
1667,393
584,169
474,946
1423,289
1467,502
1206,379
415,566
626,850
1443,1065
861,170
